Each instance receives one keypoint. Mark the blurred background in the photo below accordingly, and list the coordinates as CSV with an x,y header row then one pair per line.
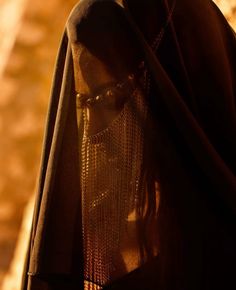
x,y
30,32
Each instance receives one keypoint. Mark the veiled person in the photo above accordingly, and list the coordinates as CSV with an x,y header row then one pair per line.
x,y
137,188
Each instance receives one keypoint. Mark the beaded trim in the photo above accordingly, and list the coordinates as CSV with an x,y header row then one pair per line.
x,y
108,95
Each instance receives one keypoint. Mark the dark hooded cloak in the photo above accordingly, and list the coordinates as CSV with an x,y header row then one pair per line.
x,y
192,99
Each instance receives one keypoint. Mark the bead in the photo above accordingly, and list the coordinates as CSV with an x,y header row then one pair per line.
x,y
79,101
81,97
109,93
89,101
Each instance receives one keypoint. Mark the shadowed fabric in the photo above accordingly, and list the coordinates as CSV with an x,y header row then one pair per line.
x,y
189,147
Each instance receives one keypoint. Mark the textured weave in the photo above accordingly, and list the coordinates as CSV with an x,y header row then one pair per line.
x,y
111,165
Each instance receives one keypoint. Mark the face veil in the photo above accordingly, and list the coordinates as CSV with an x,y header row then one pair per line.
x,y
111,172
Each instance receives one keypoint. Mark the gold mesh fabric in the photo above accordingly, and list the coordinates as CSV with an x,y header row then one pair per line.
x,y
110,177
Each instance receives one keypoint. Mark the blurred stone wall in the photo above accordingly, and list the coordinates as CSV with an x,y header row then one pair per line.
x,y
9,27
228,7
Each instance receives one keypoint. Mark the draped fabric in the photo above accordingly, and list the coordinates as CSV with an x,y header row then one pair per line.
x,y
183,56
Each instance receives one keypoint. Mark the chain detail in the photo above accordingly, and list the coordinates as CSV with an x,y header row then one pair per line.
x,y
154,46
111,164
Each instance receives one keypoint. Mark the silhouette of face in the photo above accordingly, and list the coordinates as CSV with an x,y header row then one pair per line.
x,y
95,82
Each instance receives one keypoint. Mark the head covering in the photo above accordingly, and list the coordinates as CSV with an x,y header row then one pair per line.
x,y
183,59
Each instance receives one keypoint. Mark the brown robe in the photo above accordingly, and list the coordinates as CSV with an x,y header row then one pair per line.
x,y
194,93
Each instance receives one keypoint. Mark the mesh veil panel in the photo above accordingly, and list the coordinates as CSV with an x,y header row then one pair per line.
x,y
111,164
111,173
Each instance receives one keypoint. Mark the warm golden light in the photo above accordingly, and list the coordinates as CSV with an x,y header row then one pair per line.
x,y
228,7
30,31
10,18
